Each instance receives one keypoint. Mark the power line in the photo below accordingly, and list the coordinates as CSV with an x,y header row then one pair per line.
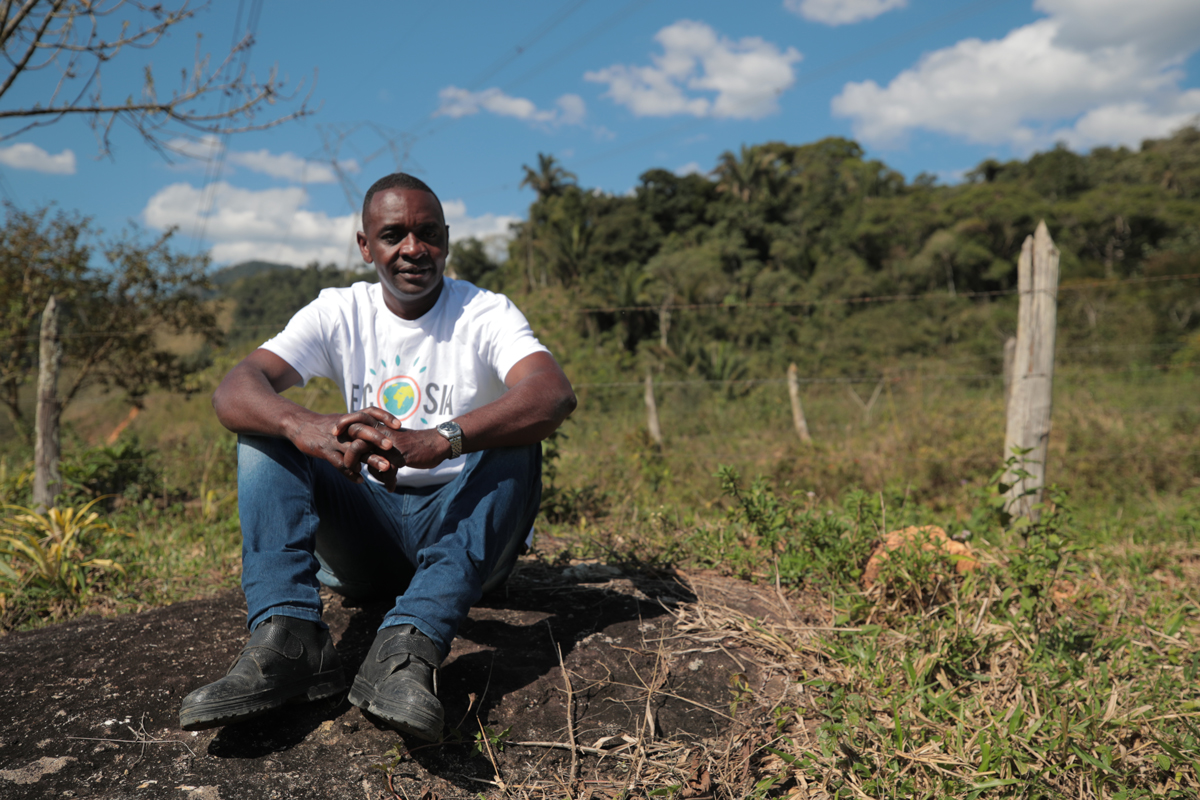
x,y
334,138
216,165
520,49
574,47
504,60
946,20
858,57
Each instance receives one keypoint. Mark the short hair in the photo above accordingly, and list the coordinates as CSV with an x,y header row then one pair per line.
x,y
399,180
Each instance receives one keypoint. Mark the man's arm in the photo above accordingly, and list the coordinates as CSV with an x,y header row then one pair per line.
x,y
249,401
538,399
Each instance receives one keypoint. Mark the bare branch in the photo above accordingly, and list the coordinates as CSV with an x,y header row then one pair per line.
x,y
20,66
74,36
11,27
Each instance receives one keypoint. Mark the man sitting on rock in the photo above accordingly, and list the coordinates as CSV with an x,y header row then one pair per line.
x,y
449,394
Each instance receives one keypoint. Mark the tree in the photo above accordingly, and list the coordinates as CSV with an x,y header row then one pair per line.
x,y
113,310
264,302
470,260
79,37
675,203
752,173
549,179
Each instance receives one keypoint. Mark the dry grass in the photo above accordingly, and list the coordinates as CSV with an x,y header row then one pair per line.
x,y
961,699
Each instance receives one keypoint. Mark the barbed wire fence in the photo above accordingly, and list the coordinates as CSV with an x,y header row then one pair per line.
x,y
747,306
851,401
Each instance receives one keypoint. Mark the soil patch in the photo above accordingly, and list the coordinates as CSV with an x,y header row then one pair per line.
x,y
90,708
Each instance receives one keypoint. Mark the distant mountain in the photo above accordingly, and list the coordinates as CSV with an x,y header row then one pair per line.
x,y
246,269
266,295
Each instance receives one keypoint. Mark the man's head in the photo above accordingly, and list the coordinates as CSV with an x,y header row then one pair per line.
x,y
406,238
397,180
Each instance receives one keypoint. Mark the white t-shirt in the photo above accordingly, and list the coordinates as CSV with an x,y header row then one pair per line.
x,y
424,371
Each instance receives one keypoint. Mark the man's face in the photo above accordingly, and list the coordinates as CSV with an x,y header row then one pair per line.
x,y
405,236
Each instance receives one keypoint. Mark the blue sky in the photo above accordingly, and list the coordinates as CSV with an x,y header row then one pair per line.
x,y
463,92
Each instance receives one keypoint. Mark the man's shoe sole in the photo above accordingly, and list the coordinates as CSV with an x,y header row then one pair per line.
x,y
224,712
418,719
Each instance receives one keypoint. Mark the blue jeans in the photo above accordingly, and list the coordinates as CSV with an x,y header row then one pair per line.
x,y
436,549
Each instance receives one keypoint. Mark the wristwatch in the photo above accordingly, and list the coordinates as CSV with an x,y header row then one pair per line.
x,y
453,435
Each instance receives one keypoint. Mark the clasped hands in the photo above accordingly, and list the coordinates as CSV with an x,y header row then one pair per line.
x,y
374,437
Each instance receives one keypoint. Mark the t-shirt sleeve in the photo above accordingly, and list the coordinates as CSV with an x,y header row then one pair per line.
x,y
510,338
305,343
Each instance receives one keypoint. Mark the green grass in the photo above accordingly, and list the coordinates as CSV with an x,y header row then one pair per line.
x,y
1067,666
1051,670
1125,448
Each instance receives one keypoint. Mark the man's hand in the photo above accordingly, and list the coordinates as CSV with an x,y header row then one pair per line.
x,y
377,438
317,435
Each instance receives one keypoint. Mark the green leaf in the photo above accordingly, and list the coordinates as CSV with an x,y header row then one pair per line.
x,y
992,784
1093,762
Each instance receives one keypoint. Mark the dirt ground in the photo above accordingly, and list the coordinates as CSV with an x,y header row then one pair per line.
x,y
90,708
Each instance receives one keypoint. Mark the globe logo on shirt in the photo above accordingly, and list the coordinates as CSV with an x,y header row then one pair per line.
x,y
400,396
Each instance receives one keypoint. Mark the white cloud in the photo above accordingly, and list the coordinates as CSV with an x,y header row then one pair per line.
x,y
571,109
287,166
29,156
841,12
486,227
1156,27
456,102
272,224
204,148
690,168
491,229
747,76
1130,123
1093,72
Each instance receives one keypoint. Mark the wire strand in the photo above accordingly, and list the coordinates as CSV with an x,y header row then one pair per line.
x,y
749,306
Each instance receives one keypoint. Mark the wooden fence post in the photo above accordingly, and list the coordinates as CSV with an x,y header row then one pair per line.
x,y
1010,355
793,383
1028,425
46,451
652,411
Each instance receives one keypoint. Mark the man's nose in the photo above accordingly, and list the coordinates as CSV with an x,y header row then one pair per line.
x,y
411,245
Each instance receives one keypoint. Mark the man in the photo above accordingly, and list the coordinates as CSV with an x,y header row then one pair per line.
x,y
448,395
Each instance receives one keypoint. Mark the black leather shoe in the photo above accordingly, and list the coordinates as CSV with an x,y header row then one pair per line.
x,y
398,682
286,659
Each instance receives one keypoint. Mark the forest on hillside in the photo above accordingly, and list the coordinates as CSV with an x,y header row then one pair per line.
x,y
816,254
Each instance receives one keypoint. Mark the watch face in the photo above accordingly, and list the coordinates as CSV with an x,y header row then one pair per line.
x,y
453,434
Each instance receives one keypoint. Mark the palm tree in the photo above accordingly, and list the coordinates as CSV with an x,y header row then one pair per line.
x,y
567,248
549,179
746,176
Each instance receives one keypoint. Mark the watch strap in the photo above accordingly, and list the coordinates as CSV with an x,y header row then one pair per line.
x,y
453,434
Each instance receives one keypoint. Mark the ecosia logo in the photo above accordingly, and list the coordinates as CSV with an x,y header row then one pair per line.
x,y
401,395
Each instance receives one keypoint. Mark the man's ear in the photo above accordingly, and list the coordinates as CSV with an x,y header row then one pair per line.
x,y
361,238
447,234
